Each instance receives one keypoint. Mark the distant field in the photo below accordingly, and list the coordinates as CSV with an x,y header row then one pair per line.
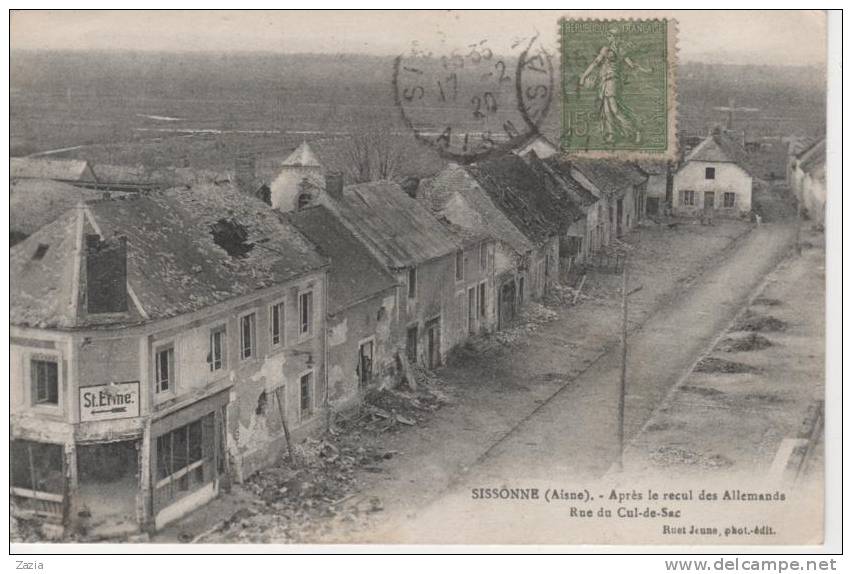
x,y
190,109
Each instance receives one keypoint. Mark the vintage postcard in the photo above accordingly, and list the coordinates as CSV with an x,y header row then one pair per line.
x,y
419,277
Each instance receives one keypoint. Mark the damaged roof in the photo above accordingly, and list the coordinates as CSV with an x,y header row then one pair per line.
x,y
610,176
355,274
186,250
559,171
485,218
399,231
524,197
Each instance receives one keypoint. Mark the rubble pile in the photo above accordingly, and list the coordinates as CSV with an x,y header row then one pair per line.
x,y
389,409
559,295
531,319
301,501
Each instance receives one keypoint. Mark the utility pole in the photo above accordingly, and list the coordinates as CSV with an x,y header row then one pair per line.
x,y
622,387
798,224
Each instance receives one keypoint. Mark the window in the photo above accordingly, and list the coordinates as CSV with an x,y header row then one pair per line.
x,y
247,331
483,256
44,374
412,283
482,304
306,313
306,393
164,376
687,197
36,466
217,348
181,453
709,173
459,265
411,343
276,323
729,199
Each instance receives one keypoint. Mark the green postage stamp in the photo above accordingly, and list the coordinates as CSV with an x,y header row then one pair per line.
x,y
618,92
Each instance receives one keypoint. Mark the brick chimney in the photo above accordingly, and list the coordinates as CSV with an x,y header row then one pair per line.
x,y
106,275
334,185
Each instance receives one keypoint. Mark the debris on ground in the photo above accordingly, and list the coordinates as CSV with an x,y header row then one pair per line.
x,y
751,321
716,365
298,503
25,530
751,342
667,456
531,319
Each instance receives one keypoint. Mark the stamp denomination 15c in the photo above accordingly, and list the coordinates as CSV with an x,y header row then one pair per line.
x,y
618,92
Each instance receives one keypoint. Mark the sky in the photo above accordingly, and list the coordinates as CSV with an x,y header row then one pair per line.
x,y
737,37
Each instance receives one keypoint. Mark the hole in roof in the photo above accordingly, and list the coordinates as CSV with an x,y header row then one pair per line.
x,y
40,251
231,236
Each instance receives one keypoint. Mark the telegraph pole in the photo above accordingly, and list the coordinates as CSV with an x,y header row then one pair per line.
x,y
622,387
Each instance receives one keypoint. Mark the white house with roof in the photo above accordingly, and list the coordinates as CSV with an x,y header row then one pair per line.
x,y
714,178
299,182
808,179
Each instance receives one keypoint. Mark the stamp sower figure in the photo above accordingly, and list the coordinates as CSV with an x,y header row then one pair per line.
x,y
615,116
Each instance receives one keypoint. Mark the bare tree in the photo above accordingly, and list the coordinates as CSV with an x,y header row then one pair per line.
x,y
372,154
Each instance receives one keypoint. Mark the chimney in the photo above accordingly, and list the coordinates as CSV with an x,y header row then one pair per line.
x,y
106,275
334,185
244,173
410,186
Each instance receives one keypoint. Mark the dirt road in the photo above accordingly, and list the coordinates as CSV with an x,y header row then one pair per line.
x,y
570,436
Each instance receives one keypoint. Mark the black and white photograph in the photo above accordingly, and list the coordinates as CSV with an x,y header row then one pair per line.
x,y
422,277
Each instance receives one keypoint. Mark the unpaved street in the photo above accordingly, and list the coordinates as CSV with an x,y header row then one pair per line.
x,y
541,406
570,436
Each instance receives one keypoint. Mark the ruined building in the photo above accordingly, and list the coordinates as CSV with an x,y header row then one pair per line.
x,y
160,345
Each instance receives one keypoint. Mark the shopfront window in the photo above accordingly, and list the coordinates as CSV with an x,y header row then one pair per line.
x,y
180,455
36,466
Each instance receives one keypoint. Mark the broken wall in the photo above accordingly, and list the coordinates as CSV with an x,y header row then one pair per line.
x,y
369,320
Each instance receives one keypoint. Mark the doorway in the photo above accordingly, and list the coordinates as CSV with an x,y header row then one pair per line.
x,y
619,215
365,363
507,304
433,333
108,475
411,343
709,200
653,206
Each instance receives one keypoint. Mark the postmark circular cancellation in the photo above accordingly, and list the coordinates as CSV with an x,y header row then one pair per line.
x,y
476,102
